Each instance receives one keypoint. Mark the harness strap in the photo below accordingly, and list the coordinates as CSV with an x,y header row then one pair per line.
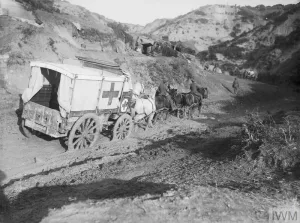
x,y
143,106
152,104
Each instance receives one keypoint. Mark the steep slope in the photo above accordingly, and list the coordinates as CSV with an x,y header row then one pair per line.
x,y
59,31
212,24
132,28
53,31
272,49
155,25
206,26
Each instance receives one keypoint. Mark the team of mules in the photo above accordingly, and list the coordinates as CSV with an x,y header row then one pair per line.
x,y
187,103
153,107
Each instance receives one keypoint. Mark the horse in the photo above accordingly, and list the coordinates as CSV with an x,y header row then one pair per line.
x,y
138,88
143,108
163,105
192,101
178,99
204,92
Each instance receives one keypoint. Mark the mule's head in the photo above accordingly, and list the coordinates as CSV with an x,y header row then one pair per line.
x,y
173,92
204,92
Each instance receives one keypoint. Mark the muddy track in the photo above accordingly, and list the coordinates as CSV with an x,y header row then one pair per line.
x,y
105,151
53,158
101,180
174,154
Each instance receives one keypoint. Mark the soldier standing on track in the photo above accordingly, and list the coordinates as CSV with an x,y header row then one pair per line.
x,y
235,86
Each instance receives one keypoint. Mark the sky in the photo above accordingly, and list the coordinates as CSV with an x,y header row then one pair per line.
x,y
145,11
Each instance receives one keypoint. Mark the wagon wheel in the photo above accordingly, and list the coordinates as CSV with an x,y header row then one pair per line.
x,y
85,132
122,127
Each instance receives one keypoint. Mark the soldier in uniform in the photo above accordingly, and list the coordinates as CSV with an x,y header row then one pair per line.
x,y
163,90
235,86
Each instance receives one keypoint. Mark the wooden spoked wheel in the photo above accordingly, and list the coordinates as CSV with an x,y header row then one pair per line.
x,y
122,127
85,132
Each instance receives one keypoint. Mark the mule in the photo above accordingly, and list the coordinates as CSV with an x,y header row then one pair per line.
x,y
163,106
192,101
138,89
144,108
204,92
178,99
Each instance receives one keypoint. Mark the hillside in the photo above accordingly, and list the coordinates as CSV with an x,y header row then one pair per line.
x,y
212,24
57,30
205,26
273,49
54,31
232,163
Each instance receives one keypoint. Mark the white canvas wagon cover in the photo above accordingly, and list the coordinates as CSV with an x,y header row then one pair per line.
x,y
78,72
89,78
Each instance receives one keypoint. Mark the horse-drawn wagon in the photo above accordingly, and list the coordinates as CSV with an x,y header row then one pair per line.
x,y
77,101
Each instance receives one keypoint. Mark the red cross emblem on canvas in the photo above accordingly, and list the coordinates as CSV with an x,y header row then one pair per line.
x,y
110,94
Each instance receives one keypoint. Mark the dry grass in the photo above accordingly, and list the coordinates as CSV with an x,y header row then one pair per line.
x,y
263,160
28,32
16,58
276,143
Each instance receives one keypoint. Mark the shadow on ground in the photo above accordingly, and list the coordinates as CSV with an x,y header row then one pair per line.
x,y
33,205
259,96
215,144
217,158
4,203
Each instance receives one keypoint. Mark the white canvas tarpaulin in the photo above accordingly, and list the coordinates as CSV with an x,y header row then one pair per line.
x,y
64,95
35,84
85,95
79,88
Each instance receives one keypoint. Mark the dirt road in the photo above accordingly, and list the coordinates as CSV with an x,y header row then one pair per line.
x,y
168,170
